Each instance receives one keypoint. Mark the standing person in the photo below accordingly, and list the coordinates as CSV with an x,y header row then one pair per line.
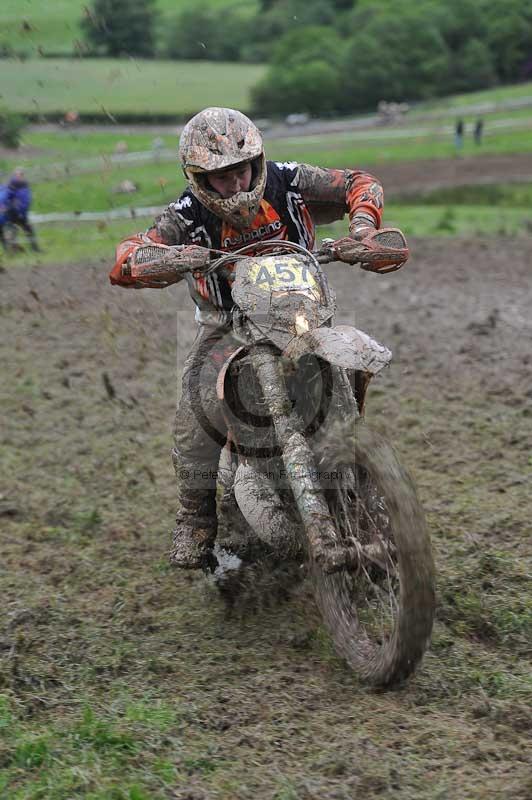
x,y
478,131
459,134
3,213
234,197
15,202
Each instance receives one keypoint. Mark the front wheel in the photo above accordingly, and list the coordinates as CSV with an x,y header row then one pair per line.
x,y
380,610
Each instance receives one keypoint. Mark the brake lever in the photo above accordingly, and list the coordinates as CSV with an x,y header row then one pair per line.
x,y
325,254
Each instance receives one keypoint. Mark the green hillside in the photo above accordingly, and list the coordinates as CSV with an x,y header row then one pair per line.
x,y
53,25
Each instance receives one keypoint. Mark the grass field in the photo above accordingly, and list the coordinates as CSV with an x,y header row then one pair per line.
x,y
367,149
69,146
496,95
95,242
114,86
90,242
54,24
417,139
157,184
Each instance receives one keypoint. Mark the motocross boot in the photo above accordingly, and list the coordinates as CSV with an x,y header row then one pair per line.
x,y
193,540
200,431
196,524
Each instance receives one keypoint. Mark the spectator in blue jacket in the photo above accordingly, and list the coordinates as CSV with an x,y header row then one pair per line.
x,y
15,201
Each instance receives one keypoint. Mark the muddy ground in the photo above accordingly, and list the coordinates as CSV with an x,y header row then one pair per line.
x,y
411,177
259,706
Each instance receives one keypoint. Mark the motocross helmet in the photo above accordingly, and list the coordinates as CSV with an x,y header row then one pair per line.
x,y
220,139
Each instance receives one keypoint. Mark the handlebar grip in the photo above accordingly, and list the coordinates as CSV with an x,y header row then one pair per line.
x,y
323,257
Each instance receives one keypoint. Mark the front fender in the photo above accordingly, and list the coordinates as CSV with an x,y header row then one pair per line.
x,y
342,346
220,382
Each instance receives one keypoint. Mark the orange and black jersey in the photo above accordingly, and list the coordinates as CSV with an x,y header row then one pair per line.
x,y
296,198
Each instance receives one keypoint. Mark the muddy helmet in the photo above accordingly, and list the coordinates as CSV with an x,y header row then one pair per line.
x,y
220,139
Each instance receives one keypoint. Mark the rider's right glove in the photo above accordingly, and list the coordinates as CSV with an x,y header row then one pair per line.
x,y
161,265
381,251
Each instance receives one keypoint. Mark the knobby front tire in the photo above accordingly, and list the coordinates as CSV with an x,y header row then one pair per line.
x,y
379,612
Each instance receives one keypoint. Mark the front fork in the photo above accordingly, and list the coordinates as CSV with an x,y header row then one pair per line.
x,y
299,462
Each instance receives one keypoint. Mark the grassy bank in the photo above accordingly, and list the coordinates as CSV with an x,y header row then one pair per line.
x,y
495,95
95,242
124,85
75,243
370,149
357,148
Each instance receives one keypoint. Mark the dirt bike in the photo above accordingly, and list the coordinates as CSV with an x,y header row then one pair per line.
x,y
303,481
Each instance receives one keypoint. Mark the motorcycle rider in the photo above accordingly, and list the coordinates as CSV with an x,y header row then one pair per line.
x,y
234,197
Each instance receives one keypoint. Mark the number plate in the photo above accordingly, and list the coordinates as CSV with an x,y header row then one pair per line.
x,y
274,274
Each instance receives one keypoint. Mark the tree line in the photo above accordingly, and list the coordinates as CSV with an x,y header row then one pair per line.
x,y
334,56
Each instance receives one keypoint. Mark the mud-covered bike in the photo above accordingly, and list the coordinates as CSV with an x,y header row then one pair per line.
x,y
304,483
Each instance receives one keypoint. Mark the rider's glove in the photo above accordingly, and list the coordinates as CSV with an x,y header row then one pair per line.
x,y
380,251
160,264
347,249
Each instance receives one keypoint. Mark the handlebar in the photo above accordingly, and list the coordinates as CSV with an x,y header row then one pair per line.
x,y
382,251
272,246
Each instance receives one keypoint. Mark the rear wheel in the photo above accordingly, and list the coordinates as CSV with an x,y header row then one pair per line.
x,y
379,611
